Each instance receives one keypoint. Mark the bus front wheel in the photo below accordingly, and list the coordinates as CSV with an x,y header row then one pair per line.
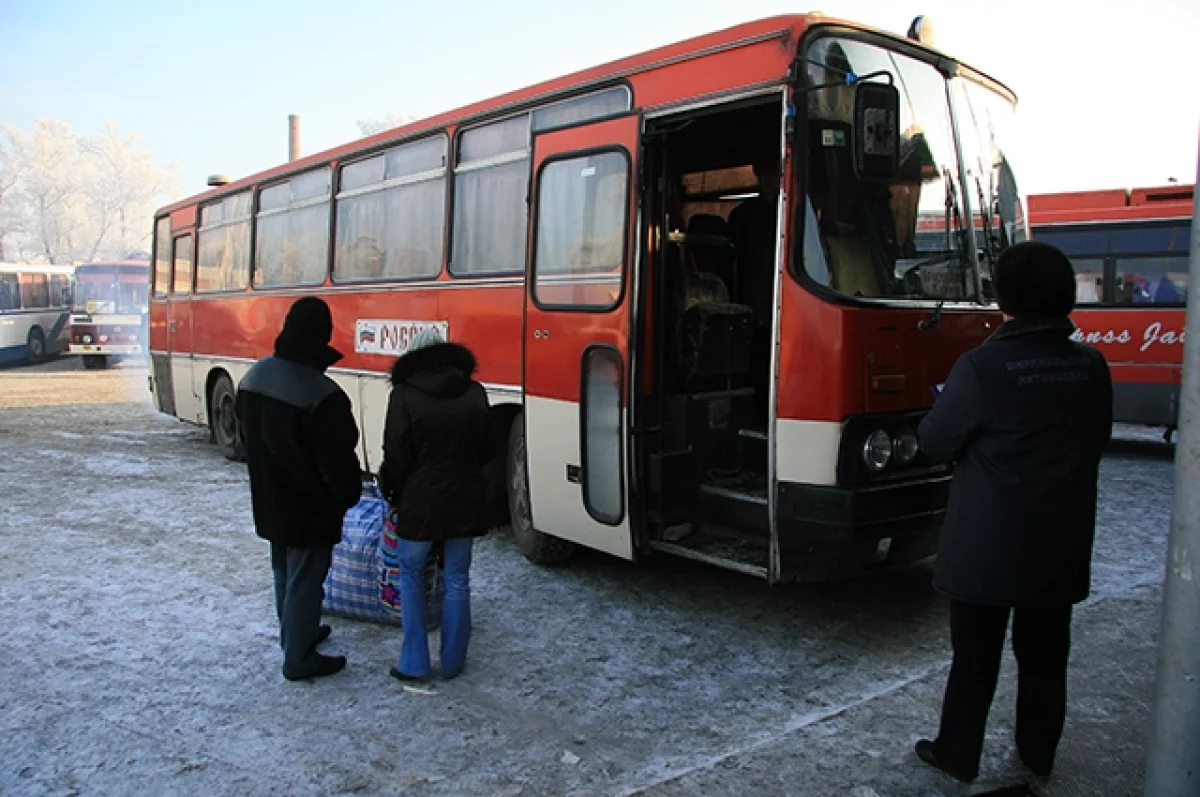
x,y
539,548
222,418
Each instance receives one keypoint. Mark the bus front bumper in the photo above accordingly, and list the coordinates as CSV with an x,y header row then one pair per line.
x,y
833,533
104,349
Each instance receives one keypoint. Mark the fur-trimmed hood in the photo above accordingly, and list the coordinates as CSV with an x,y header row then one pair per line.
x,y
443,369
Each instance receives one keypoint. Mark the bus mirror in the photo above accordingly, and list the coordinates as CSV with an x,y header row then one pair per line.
x,y
876,138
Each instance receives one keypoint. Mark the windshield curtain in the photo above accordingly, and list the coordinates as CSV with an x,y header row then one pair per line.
x,y
908,239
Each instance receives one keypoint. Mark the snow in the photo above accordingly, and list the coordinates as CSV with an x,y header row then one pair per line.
x,y
142,654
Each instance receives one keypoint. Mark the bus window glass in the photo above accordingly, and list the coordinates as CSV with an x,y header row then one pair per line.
x,y
1089,280
489,199
162,257
183,265
581,231
223,262
60,290
868,230
582,109
1076,242
392,228
603,495
10,292
35,291
985,123
1152,280
291,234
1157,239
131,291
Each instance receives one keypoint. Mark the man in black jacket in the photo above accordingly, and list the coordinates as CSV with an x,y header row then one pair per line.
x,y
1027,417
301,440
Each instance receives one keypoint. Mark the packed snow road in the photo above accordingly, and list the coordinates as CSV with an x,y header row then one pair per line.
x,y
141,655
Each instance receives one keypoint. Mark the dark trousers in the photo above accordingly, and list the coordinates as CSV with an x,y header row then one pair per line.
x,y
299,592
1042,644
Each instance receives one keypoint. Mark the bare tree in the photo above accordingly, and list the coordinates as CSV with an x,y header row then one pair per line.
x,y
81,197
373,125
11,221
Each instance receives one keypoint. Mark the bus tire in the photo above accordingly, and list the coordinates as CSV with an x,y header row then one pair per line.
x,y
222,419
35,346
95,361
539,548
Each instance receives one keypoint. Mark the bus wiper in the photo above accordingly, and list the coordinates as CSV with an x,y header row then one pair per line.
x,y
932,321
985,218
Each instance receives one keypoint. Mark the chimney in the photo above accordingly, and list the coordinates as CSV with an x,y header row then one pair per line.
x,y
293,137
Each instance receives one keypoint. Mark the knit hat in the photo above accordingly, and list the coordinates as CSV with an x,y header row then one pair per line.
x,y
306,333
430,336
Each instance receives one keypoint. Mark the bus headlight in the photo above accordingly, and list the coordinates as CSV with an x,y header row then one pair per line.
x,y
906,446
877,450
87,338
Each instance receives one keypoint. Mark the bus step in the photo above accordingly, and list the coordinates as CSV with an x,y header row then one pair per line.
x,y
743,507
752,451
720,551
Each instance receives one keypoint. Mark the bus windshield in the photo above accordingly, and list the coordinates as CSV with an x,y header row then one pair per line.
x,y
910,239
111,291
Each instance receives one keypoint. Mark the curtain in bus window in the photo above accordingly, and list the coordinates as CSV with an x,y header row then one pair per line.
x,y
1152,280
223,261
35,291
1152,239
60,290
10,292
490,219
1075,242
580,230
1089,280
392,233
162,257
293,247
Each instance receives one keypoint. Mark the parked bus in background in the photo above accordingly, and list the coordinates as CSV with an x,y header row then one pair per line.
x,y
693,282
34,303
1130,250
109,316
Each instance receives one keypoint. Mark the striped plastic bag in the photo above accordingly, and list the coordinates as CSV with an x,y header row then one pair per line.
x,y
352,586
389,577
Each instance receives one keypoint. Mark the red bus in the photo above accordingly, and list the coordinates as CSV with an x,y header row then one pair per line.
x,y
703,315
1130,250
109,312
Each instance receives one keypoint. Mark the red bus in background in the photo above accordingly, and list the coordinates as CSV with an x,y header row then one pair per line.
x,y
1130,250
703,314
110,311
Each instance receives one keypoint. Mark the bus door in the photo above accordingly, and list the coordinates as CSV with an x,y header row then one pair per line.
x,y
583,214
188,405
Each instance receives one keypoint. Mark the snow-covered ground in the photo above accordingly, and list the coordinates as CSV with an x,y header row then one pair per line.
x,y
141,657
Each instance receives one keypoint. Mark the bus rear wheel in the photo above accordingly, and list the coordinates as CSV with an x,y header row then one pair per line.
x,y
95,361
35,346
222,419
539,548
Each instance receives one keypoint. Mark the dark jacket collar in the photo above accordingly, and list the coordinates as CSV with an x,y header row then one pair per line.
x,y
1035,329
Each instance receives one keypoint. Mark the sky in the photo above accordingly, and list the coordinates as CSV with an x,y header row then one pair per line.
x,y
1107,91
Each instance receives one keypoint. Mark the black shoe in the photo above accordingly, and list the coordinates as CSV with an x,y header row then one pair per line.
x,y
927,752
323,633
399,676
1042,770
318,667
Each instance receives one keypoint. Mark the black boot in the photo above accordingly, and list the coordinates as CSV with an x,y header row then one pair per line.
x,y
317,666
927,752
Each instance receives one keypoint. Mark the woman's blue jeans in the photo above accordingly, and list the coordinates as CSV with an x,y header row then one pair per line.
x,y
456,611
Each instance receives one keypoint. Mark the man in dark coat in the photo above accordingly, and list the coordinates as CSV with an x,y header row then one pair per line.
x,y
437,439
1027,417
301,440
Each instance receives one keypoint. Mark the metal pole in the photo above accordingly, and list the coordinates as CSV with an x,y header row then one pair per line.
x,y
293,137
1173,760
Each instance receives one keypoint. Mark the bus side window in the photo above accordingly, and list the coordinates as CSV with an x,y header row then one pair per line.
x,y
10,293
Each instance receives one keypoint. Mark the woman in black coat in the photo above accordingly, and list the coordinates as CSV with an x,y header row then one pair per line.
x,y
1027,417
436,441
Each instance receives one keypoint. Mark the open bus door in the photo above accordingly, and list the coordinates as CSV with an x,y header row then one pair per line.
x,y
576,332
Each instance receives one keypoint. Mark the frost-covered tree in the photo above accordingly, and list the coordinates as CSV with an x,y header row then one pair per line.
x,y
373,125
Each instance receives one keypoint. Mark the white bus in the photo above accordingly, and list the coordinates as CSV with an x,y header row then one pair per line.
x,y
35,303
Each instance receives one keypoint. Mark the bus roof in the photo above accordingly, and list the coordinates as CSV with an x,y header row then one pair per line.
x,y
787,28
1115,204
